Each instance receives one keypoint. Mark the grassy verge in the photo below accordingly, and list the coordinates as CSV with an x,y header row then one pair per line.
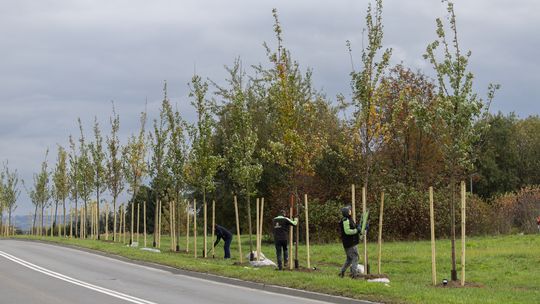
x,y
506,268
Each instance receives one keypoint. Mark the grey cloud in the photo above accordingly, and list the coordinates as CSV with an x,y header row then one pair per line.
x,y
60,60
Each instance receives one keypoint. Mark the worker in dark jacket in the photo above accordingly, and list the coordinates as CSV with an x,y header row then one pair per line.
x,y
281,237
226,235
350,237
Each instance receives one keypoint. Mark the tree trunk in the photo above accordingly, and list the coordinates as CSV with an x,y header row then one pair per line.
x,y
34,228
85,219
64,216
55,213
156,219
42,215
205,238
249,224
177,212
114,221
453,272
76,218
97,211
9,220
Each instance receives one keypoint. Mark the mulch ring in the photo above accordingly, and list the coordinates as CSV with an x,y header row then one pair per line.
x,y
372,276
457,284
300,268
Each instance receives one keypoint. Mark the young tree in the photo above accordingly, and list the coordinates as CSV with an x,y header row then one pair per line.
x,y
459,108
368,124
115,176
203,163
40,193
98,166
73,178
134,153
61,183
85,176
242,165
10,191
296,138
176,156
158,142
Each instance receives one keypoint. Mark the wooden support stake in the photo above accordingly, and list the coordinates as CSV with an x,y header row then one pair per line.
x,y
187,227
92,221
51,218
432,224
291,234
174,226
106,221
195,228
173,231
238,229
115,236
96,222
95,215
170,226
144,222
463,215
70,223
159,225
124,228
81,224
307,231
257,226
59,230
364,209
132,220
213,226
381,213
120,224
353,202
261,211
205,231
138,221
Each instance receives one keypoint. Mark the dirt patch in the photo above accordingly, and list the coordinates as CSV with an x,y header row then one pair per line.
x,y
457,284
373,276
305,269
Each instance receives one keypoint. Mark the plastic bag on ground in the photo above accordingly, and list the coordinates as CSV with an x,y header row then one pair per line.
x,y
262,262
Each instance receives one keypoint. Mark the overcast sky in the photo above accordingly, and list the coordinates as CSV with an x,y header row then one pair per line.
x,y
60,60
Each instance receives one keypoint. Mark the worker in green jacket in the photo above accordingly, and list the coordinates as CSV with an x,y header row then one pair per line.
x,y
350,237
282,225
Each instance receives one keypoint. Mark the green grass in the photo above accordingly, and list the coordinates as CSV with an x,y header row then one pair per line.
x,y
506,267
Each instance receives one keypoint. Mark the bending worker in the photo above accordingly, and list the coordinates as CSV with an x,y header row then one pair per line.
x,y
226,235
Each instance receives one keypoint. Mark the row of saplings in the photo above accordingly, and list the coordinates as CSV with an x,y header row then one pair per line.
x,y
352,233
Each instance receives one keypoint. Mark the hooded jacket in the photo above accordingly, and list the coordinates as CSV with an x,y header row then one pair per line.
x,y
349,233
281,227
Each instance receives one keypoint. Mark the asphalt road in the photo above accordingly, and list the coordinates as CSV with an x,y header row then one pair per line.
x,y
32,272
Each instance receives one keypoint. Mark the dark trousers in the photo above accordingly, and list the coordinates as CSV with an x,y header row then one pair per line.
x,y
352,260
281,246
227,248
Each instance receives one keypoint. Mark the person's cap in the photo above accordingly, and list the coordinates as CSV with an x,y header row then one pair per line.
x,y
345,211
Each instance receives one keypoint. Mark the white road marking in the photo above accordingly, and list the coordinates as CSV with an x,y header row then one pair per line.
x,y
186,276
62,277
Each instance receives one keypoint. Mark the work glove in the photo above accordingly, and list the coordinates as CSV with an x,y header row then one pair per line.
x,y
359,228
